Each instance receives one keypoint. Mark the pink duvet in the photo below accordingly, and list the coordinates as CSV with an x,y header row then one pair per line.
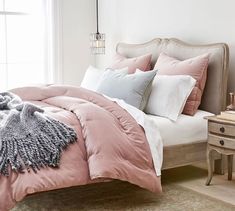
x,y
110,145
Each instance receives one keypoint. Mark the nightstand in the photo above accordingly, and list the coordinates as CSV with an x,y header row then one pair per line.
x,y
221,138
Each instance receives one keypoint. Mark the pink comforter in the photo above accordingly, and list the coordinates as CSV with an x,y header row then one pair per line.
x,y
110,145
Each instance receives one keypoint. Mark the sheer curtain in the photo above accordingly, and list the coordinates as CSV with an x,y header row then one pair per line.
x,y
28,42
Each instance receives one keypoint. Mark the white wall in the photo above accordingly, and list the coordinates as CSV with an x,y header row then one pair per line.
x,y
193,21
78,21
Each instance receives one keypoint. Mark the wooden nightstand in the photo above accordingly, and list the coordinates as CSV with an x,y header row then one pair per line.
x,y
221,138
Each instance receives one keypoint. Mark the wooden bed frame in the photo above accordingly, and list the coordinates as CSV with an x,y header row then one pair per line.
x,y
213,99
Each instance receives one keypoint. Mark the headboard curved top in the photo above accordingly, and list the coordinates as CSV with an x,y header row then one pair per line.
x,y
215,92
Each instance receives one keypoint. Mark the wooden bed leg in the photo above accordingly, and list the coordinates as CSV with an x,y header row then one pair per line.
x,y
219,165
230,167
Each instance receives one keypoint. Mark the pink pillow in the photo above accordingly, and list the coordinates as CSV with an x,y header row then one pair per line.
x,y
141,62
195,67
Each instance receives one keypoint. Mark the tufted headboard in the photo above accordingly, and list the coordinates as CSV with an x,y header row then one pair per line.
x,y
214,96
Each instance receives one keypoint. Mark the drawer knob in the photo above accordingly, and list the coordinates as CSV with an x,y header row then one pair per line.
x,y
221,142
222,129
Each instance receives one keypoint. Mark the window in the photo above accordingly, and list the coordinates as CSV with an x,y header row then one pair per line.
x,y
25,43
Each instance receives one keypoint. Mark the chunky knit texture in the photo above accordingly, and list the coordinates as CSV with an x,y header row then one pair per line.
x,y
28,138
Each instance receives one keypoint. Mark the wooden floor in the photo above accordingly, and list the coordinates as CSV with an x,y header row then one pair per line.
x,y
194,178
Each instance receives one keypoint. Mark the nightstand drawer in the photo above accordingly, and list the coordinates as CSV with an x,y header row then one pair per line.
x,y
221,141
223,129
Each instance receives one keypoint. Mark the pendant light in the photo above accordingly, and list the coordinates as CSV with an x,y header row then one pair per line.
x,y
97,40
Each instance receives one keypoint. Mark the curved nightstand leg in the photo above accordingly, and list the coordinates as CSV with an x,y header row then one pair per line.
x,y
210,165
230,167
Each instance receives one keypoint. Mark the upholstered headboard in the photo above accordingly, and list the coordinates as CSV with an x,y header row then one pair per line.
x,y
214,96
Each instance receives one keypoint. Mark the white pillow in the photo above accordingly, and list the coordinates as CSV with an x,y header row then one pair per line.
x,y
92,78
169,94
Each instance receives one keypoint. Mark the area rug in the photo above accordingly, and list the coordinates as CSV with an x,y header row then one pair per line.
x,y
121,196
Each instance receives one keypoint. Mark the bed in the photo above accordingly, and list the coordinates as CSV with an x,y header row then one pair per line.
x,y
131,160
213,99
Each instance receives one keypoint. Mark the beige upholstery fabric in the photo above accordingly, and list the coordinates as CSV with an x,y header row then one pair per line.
x,y
214,97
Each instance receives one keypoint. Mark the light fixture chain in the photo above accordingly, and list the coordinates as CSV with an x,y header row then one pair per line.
x,y
97,16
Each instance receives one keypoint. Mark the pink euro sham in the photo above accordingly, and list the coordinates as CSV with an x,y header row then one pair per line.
x,y
195,67
142,62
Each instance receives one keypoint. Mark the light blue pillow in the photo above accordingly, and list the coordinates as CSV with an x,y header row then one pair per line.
x,y
132,88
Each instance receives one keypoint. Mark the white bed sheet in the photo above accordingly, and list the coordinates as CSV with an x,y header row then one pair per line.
x,y
185,130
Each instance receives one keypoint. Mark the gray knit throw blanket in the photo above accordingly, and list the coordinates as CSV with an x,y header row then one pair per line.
x,y
28,138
